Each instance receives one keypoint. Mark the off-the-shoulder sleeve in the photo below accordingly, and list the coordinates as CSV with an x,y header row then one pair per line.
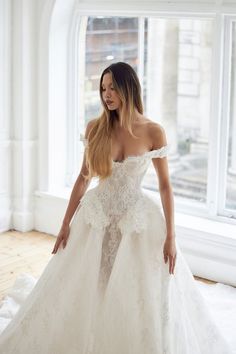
x,y
162,152
83,139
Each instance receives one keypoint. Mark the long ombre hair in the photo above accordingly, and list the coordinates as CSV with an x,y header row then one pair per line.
x,y
98,153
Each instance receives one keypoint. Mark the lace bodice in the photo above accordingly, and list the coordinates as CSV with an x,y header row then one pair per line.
x,y
120,195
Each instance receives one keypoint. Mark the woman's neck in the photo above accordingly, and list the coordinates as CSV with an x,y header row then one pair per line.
x,y
136,116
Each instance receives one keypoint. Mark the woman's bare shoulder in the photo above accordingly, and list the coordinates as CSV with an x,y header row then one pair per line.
x,y
156,133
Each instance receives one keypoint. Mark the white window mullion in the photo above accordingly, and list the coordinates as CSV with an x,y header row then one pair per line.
x,y
225,117
214,124
141,39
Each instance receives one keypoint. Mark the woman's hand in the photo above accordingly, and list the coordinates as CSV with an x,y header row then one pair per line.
x,y
169,251
62,237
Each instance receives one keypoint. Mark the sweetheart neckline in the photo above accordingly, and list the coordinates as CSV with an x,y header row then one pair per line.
x,y
140,155
85,141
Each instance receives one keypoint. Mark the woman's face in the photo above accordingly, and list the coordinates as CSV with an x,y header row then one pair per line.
x,y
109,94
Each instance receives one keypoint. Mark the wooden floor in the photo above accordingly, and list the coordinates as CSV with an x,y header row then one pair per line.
x,y
27,252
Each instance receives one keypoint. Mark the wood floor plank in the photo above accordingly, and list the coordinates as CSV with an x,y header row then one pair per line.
x,y
27,252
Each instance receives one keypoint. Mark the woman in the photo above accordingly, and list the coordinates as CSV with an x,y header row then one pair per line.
x,y
115,283
113,134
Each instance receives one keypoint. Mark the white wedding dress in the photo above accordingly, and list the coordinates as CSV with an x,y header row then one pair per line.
x,y
109,290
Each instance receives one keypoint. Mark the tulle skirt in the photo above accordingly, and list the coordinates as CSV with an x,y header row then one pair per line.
x,y
111,293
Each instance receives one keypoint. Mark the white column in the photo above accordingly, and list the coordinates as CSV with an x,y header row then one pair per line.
x,y
76,101
24,118
5,115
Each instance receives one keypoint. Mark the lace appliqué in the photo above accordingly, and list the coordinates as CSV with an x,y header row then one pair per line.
x,y
135,219
92,211
161,152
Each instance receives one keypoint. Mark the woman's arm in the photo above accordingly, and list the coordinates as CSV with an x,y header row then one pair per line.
x,y
79,188
158,137
77,193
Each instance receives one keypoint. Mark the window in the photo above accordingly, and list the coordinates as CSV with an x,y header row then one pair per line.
x,y
173,59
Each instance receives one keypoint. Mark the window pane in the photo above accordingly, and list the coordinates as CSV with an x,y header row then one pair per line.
x,y
108,40
178,97
231,170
